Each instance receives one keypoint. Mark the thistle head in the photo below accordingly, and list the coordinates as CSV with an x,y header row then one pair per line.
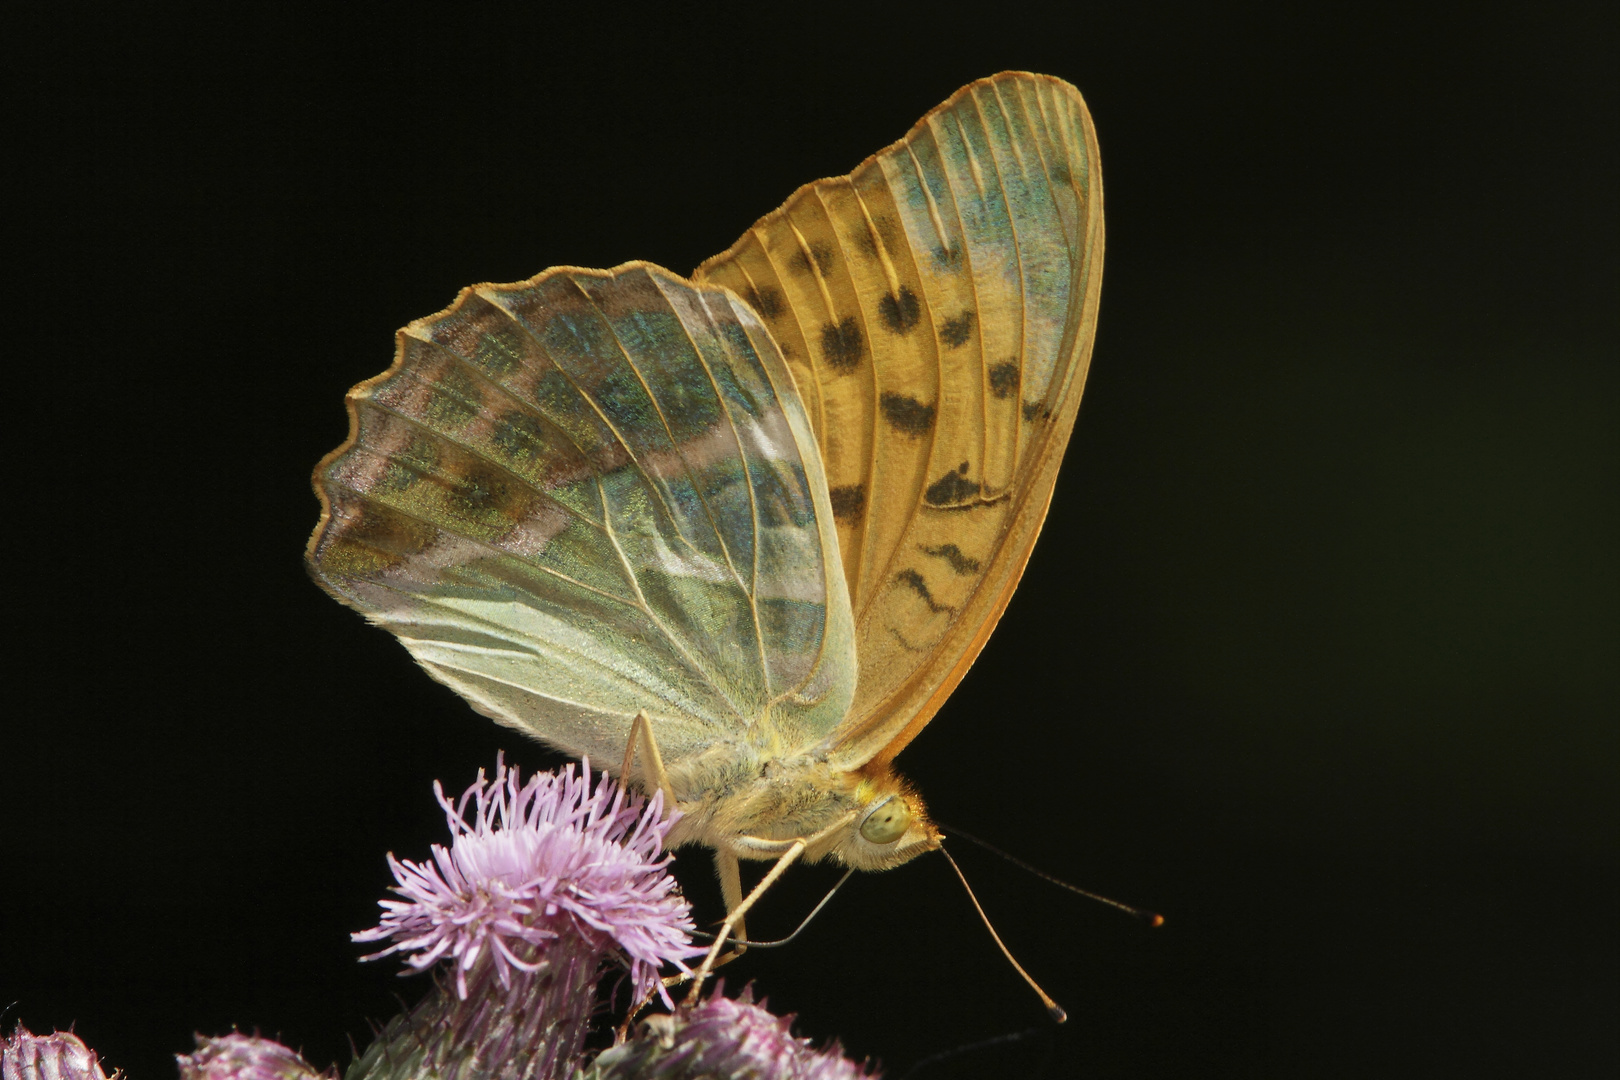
x,y
533,864
721,1036
60,1055
245,1057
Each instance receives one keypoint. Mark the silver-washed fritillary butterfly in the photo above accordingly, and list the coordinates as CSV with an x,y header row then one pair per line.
x,y
745,532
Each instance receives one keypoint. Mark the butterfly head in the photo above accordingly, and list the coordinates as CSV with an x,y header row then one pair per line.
x,y
891,826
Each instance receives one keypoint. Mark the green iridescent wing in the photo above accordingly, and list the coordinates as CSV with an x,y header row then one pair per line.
x,y
592,493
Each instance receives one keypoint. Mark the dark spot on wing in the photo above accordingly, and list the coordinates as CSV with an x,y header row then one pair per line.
x,y
1060,173
951,490
395,477
866,243
848,502
1036,410
842,345
900,310
962,564
480,492
820,252
948,258
621,396
767,301
520,436
906,414
914,581
453,402
484,490
889,232
1004,379
906,645
371,541
957,329
403,468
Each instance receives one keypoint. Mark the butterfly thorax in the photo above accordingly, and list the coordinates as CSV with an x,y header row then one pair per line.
x,y
733,795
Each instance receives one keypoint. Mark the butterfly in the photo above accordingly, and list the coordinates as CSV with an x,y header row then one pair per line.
x,y
744,532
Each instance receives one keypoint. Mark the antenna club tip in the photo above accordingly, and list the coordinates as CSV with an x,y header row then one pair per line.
x,y
1055,1011
1155,919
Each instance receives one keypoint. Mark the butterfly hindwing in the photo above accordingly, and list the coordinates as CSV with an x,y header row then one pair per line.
x,y
593,493
937,308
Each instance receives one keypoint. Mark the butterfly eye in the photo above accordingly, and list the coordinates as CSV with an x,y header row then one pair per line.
x,y
887,823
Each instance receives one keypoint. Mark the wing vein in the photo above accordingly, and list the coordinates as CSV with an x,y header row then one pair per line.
x,y
498,552
669,433
496,628
827,602
939,356
471,451
1046,171
475,452
656,488
866,335
1023,292
653,483
804,335
752,589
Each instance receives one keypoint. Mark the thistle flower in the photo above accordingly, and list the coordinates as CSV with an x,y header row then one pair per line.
x,y
720,1037
544,885
245,1057
536,862
60,1055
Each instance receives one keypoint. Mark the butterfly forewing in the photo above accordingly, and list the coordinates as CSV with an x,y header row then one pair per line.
x,y
589,494
937,309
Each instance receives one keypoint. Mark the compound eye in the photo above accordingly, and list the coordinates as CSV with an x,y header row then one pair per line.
x,y
887,823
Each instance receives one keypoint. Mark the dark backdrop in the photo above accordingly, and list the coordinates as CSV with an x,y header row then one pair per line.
x,y
1317,654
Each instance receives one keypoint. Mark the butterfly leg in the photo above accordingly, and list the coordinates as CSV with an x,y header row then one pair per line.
x,y
641,730
735,915
725,867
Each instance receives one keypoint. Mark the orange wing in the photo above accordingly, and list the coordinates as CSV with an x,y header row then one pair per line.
x,y
937,308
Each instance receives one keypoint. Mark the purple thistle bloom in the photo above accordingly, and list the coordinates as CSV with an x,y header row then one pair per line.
x,y
544,886
245,1057
60,1055
549,858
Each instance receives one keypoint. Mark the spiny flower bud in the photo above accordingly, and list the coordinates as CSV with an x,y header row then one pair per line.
x,y
60,1055
722,1039
245,1057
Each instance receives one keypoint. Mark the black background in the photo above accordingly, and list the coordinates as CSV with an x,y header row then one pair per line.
x,y
1317,654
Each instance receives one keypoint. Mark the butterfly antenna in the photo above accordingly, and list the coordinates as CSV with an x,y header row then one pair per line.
x,y
969,1048
1053,1009
783,941
1152,918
